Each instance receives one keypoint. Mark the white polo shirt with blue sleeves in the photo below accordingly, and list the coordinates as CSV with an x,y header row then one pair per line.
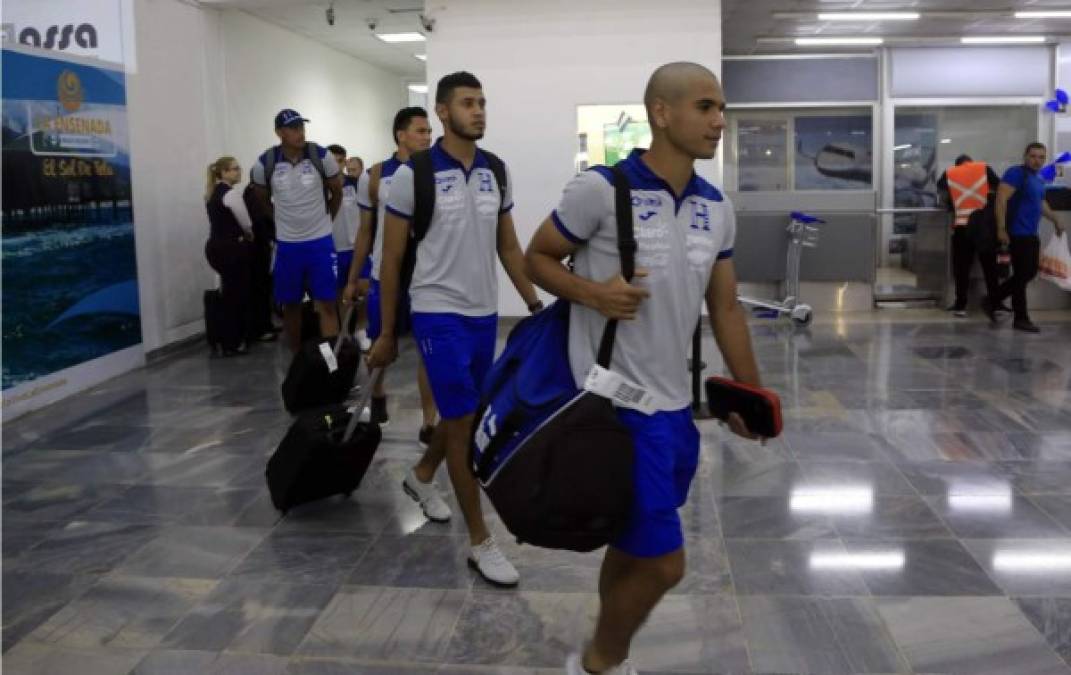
x,y
679,241
364,200
456,264
297,191
344,227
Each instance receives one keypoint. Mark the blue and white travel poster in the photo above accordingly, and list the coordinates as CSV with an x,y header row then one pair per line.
x,y
70,292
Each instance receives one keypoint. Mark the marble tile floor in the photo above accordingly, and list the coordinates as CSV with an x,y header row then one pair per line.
x,y
915,517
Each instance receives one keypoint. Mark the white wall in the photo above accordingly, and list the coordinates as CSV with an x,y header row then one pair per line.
x,y
268,68
175,127
209,83
539,61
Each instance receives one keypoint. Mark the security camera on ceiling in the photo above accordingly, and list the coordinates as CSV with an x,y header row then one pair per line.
x,y
372,23
427,22
330,14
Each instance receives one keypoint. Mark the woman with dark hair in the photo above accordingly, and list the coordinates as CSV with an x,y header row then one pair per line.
x,y
229,251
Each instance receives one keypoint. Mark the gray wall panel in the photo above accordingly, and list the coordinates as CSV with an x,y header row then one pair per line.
x,y
845,251
800,80
931,72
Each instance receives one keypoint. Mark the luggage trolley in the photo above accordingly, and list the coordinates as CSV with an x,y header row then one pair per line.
x,y
802,233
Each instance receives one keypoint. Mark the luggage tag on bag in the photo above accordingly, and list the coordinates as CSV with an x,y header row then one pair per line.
x,y
329,357
615,387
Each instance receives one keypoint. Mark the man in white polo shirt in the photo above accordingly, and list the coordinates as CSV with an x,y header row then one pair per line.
x,y
684,229
412,133
454,299
302,184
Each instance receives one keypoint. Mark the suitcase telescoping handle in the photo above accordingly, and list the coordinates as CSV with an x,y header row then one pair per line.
x,y
366,396
345,324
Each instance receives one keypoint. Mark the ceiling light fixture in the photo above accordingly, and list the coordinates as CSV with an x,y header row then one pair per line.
x,y
393,38
869,16
420,57
838,42
418,88
1003,39
1045,14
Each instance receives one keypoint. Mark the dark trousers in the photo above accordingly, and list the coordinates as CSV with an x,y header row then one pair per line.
x,y
963,253
232,260
1025,255
261,287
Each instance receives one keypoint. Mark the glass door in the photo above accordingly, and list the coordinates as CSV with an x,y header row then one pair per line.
x,y
913,250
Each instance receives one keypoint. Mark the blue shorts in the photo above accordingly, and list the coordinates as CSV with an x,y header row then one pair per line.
x,y
366,270
458,352
667,456
375,319
302,266
345,260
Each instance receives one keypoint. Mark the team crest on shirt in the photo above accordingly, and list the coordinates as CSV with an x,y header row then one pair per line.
x,y
700,215
486,182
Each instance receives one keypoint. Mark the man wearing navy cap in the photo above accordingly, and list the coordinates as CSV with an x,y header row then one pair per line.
x,y
301,182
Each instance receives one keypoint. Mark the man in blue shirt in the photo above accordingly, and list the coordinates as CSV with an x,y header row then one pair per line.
x,y
1020,207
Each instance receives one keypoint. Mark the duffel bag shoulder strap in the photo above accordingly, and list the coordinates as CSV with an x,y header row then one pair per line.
x,y
626,248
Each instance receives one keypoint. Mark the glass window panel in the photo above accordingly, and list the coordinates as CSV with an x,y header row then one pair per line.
x,y
762,155
834,152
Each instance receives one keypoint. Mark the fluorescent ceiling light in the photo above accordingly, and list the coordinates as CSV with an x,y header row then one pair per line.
x,y
946,141
1002,39
401,37
869,16
1045,14
841,500
898,148
981,503
1031,561
420,57
877,560
418,88
835,42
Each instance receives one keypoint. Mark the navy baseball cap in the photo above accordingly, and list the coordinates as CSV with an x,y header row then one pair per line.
x,y
289,118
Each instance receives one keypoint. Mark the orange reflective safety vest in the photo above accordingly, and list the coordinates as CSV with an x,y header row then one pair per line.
x,y
969,186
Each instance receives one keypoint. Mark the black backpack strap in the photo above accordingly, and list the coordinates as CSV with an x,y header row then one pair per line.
x,y
626,248
269,166
423,193
498,168
312,152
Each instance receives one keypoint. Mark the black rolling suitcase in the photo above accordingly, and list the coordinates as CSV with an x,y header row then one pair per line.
x,y
325,453
322,373
214,314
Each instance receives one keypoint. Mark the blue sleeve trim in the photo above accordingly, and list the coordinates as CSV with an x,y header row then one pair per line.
x,y
727,253
404,216
563,229
505,210
365,207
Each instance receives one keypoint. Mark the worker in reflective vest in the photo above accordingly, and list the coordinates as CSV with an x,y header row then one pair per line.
x,y
966,187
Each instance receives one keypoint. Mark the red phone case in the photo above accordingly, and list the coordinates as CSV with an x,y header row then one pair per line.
x,y
760,407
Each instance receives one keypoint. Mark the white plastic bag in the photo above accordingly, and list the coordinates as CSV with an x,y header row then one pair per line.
x,y
1055,263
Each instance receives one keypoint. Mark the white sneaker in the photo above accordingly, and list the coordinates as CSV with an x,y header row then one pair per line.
x,y
488,560
362,340
427,495
574,665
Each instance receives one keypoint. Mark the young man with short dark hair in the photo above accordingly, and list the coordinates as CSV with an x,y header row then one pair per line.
x,y
1022,196
454,297
303,194
344,225
685,231
412,133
